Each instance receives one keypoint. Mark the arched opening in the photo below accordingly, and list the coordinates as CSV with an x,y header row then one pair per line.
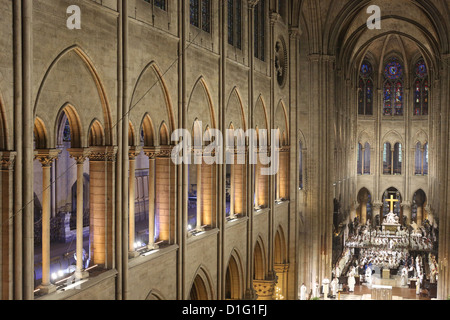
x,y
198,291
233,281
201,289
259,264
61,240
280,266
392,203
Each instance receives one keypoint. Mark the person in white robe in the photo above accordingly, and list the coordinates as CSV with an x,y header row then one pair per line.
x,y
351,280
303,292
368,276
404,276
334,287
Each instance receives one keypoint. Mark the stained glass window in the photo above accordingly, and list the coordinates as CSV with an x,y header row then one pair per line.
x,y
206,15
365,89
259,32
161,4
66,132
235,23
194,13
393,88
200,14
421,89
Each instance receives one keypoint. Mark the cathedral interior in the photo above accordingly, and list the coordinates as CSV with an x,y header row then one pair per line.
x,y
351,97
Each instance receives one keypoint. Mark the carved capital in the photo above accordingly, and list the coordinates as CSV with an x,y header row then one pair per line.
x,y
165,152
274,17
281,268
134,152
151,152
103,154
264,288
252,3
47,156
79,155
7,160
295,33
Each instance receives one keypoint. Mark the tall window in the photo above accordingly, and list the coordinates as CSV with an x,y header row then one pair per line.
x,y
200,14
365,89
235,23
363,161
359,160
387,159
421,89
393,88
398,158
421,159
260,29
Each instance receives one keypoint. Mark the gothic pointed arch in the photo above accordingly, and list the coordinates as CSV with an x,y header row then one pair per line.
x,y
201,105
151,96
148,131
234,278
260,262
73,68
40,134
96,134
235,112
201,287
70,113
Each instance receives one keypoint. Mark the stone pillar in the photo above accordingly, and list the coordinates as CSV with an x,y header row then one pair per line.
x,y
165,191
232,188
80,156
257,183
46,158
151,154
376,211
419,215
281,271
101,169
7,161
364,209
133,152
407,211
199,165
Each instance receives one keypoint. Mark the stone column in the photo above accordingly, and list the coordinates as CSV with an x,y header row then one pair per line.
x,y
364,209
199,165
151,154
257,183
133,152
80,156
7,161
376,210
232,187
281,271
407,211
46,158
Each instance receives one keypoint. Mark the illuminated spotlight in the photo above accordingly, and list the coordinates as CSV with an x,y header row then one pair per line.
x,y
61,273
54,276
189,227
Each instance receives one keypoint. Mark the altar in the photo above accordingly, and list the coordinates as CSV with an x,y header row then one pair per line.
x,y
381,292
386,274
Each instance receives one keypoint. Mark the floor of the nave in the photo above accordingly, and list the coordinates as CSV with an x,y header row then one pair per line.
x,y
364,291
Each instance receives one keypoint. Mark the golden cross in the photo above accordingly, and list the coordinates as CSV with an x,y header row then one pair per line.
x,y
392,201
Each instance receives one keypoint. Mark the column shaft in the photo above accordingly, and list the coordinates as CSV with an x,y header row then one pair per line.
x,y
151,204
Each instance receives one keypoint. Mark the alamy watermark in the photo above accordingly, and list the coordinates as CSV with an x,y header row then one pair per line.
x,y
223,149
